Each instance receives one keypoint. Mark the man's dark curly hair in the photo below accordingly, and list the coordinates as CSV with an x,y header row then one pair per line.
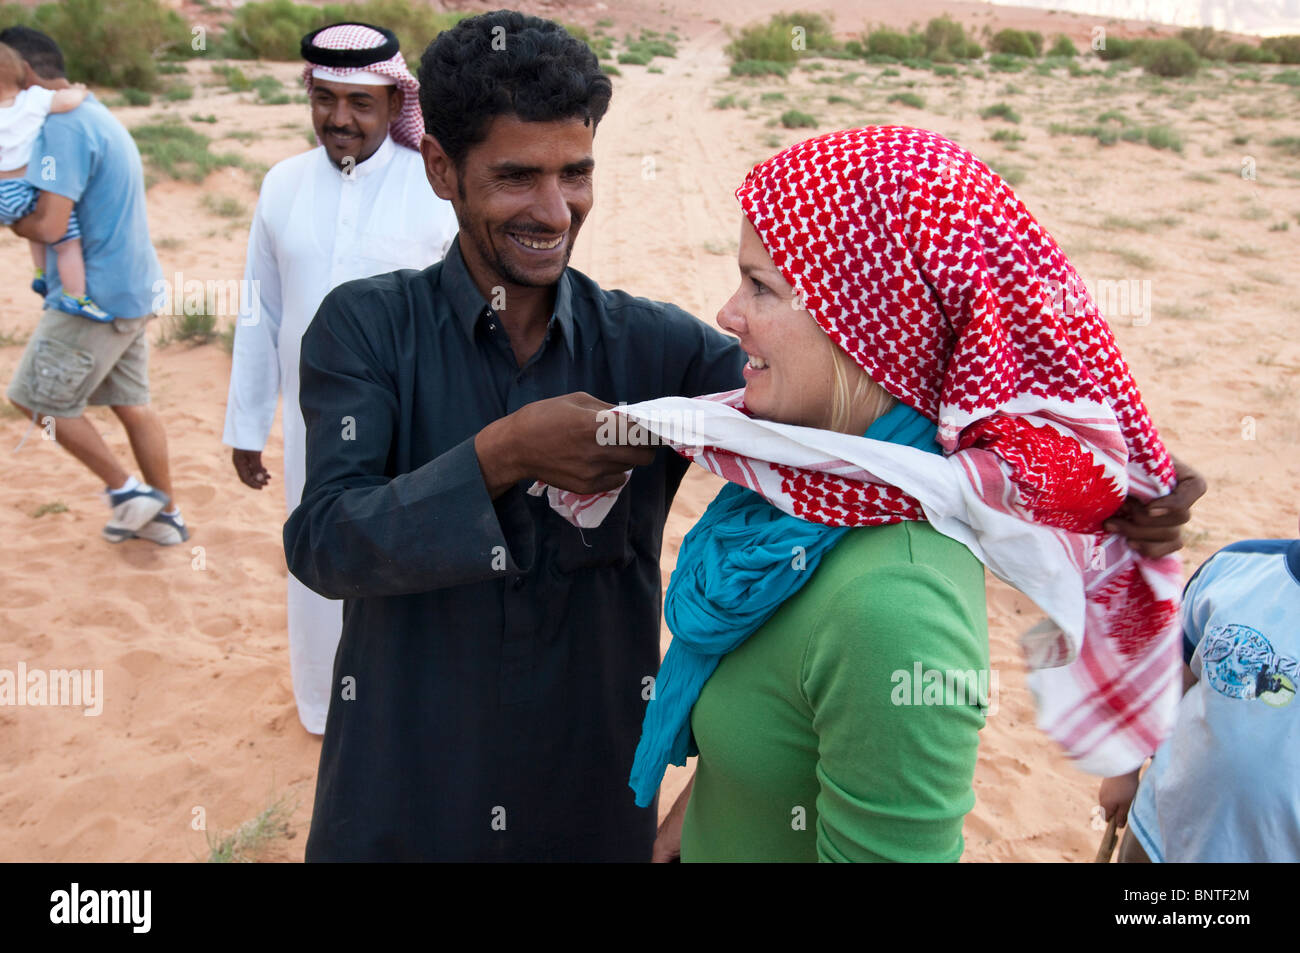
x,y
530,67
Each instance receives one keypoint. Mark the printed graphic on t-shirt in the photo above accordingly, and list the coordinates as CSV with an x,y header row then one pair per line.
x,y
1241,663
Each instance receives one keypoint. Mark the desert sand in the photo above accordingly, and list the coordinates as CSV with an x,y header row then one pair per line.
x,y
199,721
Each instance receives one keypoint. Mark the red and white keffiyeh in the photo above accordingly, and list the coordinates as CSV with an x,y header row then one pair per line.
x,y
407,127
924,266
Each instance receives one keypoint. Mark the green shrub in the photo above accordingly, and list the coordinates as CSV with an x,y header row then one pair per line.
x,y
653,48
269,30
942,70
178,92
267,87
1242,53
1063,46
793,119
235,79
1288,77
818,36
759,68
1000,111
1118,48
634,58
775,40
891,43
945,40
1007,135
1288,144
108,42
609,69
725,102
1162,137
1285,48
1208,42
180,152
1169,58
907,99
917,63
1006,63
273,29
771,97
136,97
1014,43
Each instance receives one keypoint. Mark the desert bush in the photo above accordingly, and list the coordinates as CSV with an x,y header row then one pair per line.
x,y
273,29
1242,53
773,41
1118,48
1014,42
891,43
1000,111
1006,63
1063,46
1162,137
1285,48
180,152
108,42
794,119
759,68
945,40
907,99
1169,58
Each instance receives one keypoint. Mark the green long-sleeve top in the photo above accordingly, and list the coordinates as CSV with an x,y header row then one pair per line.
x,y
846,727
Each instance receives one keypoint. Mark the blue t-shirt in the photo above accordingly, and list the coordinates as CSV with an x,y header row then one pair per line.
x,y
1223,786
88,156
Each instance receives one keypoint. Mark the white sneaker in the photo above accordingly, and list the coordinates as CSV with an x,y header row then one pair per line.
x,y
132,509
164,529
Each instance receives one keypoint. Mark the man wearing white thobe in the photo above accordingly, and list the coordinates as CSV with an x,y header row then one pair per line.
x,y
357,205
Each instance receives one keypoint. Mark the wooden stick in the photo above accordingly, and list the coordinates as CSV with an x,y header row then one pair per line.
x,y
1108,842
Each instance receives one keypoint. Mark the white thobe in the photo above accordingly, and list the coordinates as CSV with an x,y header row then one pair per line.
x,y
316,227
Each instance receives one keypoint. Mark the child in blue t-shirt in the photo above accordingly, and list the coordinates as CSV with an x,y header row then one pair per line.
x,y
1225,785
22,113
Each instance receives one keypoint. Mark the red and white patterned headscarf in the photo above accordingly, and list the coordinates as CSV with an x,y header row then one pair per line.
x,y
924,266
407,127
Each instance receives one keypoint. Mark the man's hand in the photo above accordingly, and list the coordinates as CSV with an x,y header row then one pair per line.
x,y
1116,795
557,441
1155,528
48,222
248,464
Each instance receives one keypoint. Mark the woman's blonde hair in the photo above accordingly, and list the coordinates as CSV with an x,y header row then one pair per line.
x,y
853,391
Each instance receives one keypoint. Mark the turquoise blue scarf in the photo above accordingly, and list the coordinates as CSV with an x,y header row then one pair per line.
x,y
736,567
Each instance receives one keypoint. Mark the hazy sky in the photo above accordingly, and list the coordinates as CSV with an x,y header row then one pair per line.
x,y
1265,17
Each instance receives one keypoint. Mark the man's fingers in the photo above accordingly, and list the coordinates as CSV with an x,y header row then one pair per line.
x,y
1142,516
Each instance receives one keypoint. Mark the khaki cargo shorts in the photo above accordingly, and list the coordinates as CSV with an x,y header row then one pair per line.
x,y
73,361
